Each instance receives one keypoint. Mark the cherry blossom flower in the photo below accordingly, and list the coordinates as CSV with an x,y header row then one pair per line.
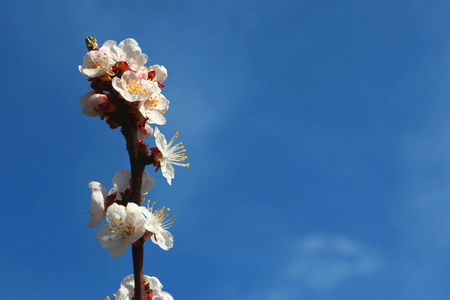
x,y
96,63
153,287
132,88
100,200
166,155
157,224
153,109
125,226
128,51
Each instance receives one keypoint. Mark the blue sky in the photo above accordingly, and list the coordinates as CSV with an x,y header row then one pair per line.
x,y
317,133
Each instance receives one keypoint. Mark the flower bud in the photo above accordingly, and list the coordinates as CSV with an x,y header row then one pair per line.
x,y
91,43
101,103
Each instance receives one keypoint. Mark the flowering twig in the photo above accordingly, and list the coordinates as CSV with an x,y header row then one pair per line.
x,y
128,95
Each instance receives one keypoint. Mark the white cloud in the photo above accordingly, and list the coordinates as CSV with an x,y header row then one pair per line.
x,y
317,263
324,262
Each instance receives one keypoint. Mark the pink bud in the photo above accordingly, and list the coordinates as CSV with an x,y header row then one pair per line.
x,y
100,103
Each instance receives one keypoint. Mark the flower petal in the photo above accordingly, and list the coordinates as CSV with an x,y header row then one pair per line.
x,y
148,182
122,180
87,107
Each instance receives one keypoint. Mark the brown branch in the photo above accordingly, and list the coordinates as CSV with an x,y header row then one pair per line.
x,y
129,131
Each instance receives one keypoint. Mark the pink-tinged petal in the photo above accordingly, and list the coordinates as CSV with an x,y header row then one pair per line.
x,y
136,62
87,107
148,182
149,129
142,73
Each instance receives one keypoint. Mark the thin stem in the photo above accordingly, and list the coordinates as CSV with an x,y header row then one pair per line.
x,y
138,262
129,130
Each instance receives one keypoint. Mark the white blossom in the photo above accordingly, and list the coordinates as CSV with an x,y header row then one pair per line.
x,y
157,224
153,109
133,88
170,155
153,287
125,226
96,63
128,51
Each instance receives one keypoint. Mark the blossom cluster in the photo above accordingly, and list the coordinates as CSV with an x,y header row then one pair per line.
x,y
127,94
127,224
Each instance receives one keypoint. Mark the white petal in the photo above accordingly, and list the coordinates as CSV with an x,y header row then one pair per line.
x,y
148,182
160,140
115,210
165,240
160,295
120,248
154,282
167,171
155,117
128,283
160,73
95,221
163,103
98,199
122,180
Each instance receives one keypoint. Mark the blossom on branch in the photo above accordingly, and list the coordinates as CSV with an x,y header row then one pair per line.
x,y
125,226
127,51
166,155
156,226
153,288
132,88
100,200
153,109
97,63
